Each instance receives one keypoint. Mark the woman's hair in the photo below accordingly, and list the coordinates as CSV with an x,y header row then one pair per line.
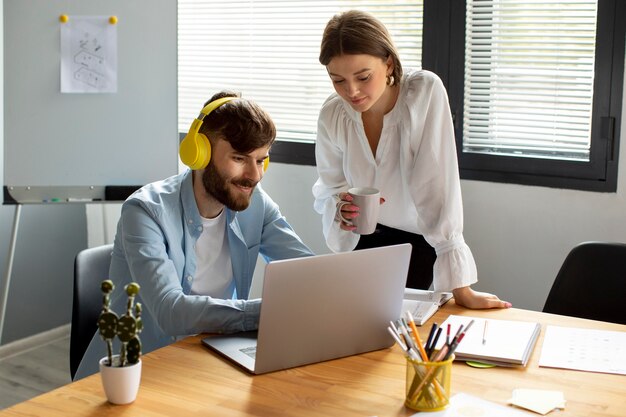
x,y
240,122
355,32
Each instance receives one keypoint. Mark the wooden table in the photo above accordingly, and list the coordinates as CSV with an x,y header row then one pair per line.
x,y
187,379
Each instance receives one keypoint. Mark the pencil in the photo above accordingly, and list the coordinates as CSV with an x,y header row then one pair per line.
x,y
416,336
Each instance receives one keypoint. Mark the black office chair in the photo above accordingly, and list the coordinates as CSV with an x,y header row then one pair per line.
x,y
91,267
591,283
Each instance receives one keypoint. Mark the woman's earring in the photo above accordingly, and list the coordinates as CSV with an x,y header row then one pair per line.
x,y
390,80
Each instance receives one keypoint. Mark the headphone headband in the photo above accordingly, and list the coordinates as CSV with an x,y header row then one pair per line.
x,y
195,148
214,105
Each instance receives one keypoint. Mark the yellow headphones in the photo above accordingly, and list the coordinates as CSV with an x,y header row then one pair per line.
x,y
195,148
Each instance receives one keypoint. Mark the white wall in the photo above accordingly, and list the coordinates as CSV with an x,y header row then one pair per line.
x,y
520,235
101,223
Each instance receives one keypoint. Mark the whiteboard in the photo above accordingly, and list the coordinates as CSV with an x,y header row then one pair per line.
x,y
73,147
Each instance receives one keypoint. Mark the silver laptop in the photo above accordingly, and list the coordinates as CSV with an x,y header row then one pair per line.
x,y
320,308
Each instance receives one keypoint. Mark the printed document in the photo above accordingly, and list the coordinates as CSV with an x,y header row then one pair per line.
x,y
588,350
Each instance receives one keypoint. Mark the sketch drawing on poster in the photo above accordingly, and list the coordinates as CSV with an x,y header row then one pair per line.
x,y
88,54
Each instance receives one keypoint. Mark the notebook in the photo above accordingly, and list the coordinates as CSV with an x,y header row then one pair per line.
x,y
506,342
322,307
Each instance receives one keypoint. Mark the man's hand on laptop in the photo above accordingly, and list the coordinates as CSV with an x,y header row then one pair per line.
x,y
467,297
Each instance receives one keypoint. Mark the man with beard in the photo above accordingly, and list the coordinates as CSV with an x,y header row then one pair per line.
x,y
192,240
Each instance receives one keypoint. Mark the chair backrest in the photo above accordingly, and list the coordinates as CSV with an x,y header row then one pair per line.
x,y
591,283
91,267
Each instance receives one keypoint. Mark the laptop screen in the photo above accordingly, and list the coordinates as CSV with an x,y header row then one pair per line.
x,y
328,306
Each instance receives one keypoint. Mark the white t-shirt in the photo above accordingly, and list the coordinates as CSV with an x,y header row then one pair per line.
x,y
415,168
214,271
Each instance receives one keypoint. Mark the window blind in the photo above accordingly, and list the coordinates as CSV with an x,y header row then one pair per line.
x,y
529,74
268,50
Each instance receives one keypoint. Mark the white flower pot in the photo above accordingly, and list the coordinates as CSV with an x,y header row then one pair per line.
x,y
120,384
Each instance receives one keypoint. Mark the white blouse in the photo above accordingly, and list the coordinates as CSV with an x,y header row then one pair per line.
x,y
415,169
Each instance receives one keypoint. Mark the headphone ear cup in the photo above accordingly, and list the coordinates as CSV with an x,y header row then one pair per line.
x,y
195,151
195,148
266,164
188,149
204,151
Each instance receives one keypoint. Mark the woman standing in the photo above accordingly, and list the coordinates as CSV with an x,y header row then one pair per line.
x,y
392,131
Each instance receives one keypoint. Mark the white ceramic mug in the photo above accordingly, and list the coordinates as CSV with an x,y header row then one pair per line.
x,y
368,201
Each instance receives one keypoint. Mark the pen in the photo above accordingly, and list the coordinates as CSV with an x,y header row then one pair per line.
x,y
79,200
411,353
485,333
458,332
461,332
393,326
397,339
433,329
429,340
405,334
453,346
448,335
434,342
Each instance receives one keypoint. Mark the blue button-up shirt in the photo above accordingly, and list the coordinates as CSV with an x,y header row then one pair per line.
x,y
155,247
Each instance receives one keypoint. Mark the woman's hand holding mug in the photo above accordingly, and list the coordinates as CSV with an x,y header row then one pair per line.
x,y
358,210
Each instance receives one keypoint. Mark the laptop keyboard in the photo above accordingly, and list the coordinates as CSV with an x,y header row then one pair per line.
x,y
250,351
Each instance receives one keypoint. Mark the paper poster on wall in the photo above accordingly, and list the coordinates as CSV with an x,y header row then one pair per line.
x,y
88,54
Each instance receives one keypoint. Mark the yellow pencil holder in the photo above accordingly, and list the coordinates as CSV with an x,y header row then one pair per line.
x,y
428,384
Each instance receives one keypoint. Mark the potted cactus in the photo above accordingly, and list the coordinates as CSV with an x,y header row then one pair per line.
x,y
121,373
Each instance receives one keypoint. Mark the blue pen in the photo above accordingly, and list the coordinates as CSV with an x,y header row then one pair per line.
x,y
434,342
433,330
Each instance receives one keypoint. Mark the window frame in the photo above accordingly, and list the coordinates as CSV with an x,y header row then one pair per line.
x,y
444,54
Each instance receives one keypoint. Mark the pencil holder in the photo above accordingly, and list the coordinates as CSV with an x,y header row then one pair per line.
x,y
428,384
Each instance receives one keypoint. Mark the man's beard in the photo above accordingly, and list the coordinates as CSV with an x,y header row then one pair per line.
x,y
217,186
